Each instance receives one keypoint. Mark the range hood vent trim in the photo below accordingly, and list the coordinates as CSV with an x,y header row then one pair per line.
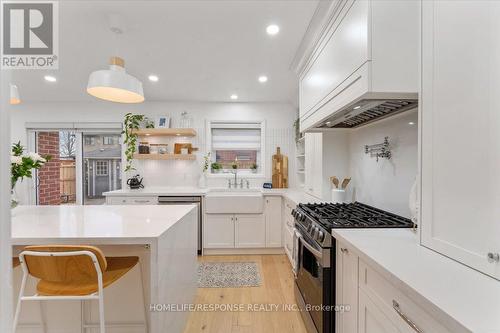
x,y
367,111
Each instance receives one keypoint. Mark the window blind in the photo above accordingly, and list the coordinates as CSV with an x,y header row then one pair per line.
x,y
236,138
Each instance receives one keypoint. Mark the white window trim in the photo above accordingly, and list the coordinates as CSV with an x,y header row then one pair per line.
x,y
262,172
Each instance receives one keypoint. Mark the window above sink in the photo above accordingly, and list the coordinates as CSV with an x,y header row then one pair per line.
x,y
236,147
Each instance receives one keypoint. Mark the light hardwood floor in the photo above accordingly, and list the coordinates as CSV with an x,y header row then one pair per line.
x,y
276,288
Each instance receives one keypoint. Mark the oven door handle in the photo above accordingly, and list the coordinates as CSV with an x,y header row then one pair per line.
x,y
317,253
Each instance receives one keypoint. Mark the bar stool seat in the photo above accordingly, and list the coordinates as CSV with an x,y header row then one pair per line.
x,y
116,268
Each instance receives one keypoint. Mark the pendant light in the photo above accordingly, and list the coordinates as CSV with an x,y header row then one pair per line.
x,y
115,84
14,94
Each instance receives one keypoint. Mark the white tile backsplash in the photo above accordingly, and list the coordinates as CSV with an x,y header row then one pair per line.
x,y
385,184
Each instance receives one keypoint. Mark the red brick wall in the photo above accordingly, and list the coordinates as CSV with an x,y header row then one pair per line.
x,y
226,158
49,192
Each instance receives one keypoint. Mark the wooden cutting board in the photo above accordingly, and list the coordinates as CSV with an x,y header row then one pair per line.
x,y
280,170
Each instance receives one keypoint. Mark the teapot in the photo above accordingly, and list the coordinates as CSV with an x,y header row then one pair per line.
x,y
135,182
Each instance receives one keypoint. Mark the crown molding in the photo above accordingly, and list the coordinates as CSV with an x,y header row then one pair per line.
x,y
322,19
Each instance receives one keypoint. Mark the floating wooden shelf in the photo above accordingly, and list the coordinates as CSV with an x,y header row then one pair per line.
x,y
187,157
166,132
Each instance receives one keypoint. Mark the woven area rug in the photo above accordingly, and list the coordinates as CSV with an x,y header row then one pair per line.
x,y
228,275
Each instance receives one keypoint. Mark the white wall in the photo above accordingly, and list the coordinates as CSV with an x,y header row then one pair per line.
x,y
385,184
279,132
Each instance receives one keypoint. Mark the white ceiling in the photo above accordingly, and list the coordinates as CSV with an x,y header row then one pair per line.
x,y
201,50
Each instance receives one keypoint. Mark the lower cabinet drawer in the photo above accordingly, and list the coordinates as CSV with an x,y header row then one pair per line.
x,y
403,313
132,200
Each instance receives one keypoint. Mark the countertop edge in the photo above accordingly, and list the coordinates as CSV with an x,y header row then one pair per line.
x,y
292,194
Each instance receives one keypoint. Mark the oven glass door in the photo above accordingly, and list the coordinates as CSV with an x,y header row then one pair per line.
x,y
310,280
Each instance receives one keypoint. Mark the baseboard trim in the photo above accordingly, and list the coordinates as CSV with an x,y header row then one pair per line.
x,y
211,252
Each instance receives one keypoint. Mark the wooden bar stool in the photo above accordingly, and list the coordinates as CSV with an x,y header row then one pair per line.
x,y
70,273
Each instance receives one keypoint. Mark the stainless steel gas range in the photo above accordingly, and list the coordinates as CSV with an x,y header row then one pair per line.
x,y
315,280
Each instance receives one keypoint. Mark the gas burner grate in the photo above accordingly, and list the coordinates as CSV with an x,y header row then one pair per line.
x,y
354,215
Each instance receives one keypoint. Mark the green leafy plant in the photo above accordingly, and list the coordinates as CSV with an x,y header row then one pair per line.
x,y
206,163
234,165
22,165
131,123
296,126
254,166
216,167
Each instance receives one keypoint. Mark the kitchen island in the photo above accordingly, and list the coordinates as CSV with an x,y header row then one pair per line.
x,y
163,237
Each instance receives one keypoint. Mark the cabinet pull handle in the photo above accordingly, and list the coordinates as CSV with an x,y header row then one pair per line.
x,y
141,201
407,320
344,250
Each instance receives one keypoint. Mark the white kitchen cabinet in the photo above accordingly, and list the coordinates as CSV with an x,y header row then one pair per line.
x,y
460,132
347,288
326,155
288,230
218,231
272,214
371,317
368,48
395,305
249,231
234,231
132,200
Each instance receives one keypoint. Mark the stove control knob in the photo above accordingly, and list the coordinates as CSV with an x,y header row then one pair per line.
x,y
294,212
321,236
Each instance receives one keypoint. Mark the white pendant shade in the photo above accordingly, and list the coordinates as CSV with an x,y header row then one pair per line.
x,y
115,85
14,94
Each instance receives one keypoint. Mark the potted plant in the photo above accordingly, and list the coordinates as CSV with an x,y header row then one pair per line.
x,y
216,167
296,126
254,167
130,124
22,166
234,165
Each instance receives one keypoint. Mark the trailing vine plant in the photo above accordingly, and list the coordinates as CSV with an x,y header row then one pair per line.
x,y
131,123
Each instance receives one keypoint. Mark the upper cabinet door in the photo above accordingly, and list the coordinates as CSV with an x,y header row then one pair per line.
x,y
460,132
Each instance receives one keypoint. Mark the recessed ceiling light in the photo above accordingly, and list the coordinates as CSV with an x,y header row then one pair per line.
x,y
50,78
272,29
411,123
153,78
356,107
262,79
234,97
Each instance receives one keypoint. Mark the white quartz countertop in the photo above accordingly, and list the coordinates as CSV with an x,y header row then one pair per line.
x,y
158,191
467,296
86,223
295,195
